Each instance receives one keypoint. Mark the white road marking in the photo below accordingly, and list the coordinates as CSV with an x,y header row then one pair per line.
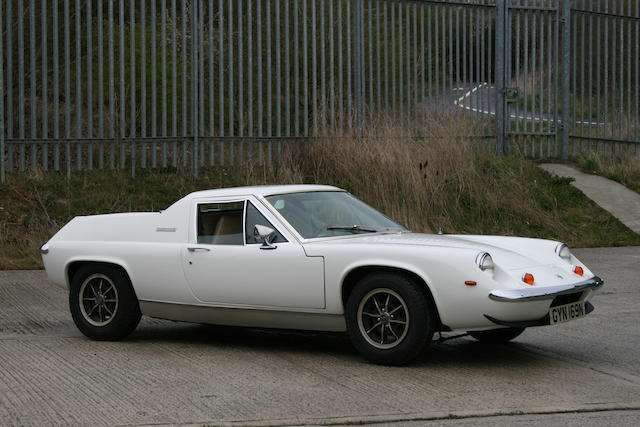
x,y
459,103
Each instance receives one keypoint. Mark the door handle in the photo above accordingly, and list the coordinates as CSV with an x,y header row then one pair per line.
x,y
198,249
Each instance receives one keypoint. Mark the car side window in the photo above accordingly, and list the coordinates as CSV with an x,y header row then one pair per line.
x,y
220,223
254,217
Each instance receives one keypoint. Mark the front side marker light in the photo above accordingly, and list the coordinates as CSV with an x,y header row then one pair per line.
x,y
528,279
578,270
470,283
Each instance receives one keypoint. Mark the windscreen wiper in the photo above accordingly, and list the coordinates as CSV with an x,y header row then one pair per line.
x,y
356,227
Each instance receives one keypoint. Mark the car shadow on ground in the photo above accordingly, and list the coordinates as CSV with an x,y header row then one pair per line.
x,y
462,351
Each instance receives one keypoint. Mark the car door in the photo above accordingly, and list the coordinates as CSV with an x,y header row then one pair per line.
x,y
226,265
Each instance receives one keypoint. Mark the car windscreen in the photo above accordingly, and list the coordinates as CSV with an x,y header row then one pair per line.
x,y
330,213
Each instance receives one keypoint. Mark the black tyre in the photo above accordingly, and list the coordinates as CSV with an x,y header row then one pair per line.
x,y
389,319
497,336
103,303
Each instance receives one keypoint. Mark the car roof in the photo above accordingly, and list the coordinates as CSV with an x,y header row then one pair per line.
x,y
261,190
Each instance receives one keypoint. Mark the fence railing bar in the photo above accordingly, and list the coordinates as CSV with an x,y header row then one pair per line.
x,y
100,22
67,84
604,139
629,64
199,35
45,78
194,87
132,67
287,69
314,66
400,46
221,79
296,68
637,57
153,83
32,77
250,80
278,75
474,5
501,21
9,73
332,90
259,66
240,96
121,77
21,88
112,96
430,54
2,91
163,78
378,58
323,64
174,85
184,105
416,81
269,81
371,70
89,52
78,88
305,70
143,82
606,14
231,93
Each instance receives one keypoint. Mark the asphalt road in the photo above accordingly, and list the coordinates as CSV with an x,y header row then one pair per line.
x,y
480,98
581,373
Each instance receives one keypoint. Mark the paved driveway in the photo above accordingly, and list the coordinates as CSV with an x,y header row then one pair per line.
x,y
178,373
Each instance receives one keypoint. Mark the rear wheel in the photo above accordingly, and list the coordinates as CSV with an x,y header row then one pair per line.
x,y
497,336
388,318
102,302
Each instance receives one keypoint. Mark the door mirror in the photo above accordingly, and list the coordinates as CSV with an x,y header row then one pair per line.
x,y
264,233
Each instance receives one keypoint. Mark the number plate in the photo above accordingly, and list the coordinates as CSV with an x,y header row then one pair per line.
x,y
567,312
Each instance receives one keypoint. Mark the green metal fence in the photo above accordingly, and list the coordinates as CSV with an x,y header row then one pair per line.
x,y
194,83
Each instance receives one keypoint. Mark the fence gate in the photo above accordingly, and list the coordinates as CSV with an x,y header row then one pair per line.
x,y
531,65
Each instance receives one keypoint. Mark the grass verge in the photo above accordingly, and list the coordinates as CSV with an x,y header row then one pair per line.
x,y
440,182
623,169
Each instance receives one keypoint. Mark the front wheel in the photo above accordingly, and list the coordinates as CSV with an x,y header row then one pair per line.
x,y
103,304
497,336
389,319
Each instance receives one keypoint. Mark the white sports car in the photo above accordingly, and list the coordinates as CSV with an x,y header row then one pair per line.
x,y
309,257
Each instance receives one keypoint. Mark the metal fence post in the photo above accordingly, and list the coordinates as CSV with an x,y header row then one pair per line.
x,y
565,79
501,131
358,48
1,103
194,86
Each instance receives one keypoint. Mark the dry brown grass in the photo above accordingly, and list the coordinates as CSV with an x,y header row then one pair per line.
x,y
624,168
430,178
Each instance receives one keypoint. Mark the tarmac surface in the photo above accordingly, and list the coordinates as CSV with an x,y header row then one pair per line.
x,y
584,372
617,199
480,98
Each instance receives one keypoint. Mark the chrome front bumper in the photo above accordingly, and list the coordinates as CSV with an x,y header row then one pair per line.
x,y
546,292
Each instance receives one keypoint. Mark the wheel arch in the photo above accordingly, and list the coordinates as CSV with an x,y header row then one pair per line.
x,y
353,276
73,266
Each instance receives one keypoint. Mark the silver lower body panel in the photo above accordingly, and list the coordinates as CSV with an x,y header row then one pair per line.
x,y
244,317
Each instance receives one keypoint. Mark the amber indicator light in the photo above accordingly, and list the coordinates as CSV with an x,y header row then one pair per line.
x,y
470,283
578,270
528,279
